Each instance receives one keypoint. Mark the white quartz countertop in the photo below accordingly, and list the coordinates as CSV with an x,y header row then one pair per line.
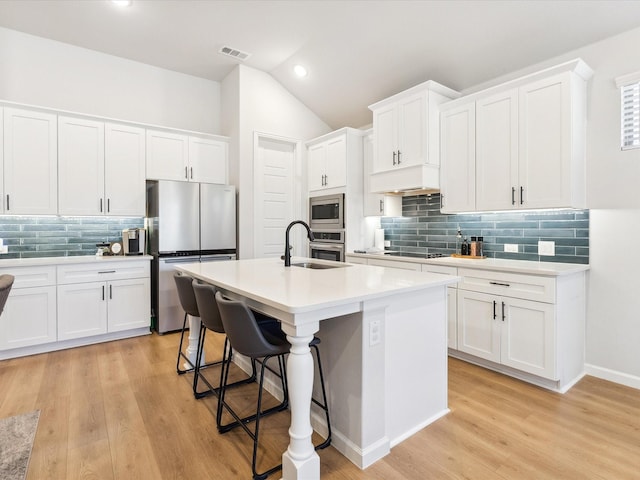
x,y
497,264
297,290
30,262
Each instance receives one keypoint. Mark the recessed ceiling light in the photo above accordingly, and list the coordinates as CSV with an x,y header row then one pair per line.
x,y
122,3
300,71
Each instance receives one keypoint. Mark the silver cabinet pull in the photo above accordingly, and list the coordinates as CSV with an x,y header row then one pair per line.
x,y
394,157
381,206
399,157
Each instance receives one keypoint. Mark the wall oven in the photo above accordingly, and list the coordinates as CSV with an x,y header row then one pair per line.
x,y
328,245
327,212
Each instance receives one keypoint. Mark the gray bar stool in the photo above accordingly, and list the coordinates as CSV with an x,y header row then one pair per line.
x,y
205,296
190,306
247,337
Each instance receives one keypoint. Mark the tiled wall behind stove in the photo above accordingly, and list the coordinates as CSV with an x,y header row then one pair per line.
x,y
423,229
29,237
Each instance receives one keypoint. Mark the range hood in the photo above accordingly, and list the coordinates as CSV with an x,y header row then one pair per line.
x,y
413,180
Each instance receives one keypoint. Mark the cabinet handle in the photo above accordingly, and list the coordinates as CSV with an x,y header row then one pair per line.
x,y
399,157
191,173
513,195
326,180
441,201
394,157
494,309
107,271
100,205
521,195
501,284
381,206
503,317
108,205
102,292
186,175
7,202
111,292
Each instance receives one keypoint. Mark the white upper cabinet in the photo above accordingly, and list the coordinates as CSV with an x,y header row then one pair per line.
x,y
208,160
101,168
327,162
529,144
174,156
334,161
167,156
124,171
497,179
376,204
458,150
30,162
81,166
406,139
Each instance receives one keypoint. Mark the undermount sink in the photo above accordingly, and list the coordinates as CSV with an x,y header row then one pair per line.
x,y
317,266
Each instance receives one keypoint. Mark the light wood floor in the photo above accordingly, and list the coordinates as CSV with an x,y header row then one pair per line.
x,y
119,411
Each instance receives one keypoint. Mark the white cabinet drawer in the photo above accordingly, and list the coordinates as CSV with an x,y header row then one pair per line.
x,y
394,264
87,272
528,287
427,267
31,276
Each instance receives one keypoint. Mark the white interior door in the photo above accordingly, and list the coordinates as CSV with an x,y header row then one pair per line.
x,y
276,199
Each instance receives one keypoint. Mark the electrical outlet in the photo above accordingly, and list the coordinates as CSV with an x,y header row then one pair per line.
x,y
375,335
546,248
511,247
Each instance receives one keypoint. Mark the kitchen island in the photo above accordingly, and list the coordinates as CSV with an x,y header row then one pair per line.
x,y
384,349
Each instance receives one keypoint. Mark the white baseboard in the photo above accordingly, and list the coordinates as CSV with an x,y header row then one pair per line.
x,y
401,438
359,457
632,381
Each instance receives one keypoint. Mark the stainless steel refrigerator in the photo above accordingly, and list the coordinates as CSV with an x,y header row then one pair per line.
x,y
187,222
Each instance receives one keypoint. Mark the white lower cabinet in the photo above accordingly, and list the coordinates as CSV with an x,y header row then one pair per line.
x,y
513,332
29,316
94,300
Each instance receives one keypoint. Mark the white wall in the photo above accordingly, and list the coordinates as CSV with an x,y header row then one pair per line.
x,y
263,105
42,72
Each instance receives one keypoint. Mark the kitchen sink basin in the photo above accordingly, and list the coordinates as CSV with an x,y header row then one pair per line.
x,y
316,266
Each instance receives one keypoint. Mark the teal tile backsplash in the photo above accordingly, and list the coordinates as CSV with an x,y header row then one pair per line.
x,y
423,229
28,237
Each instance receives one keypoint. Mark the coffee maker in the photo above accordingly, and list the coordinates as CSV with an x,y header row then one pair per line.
x,y
133,241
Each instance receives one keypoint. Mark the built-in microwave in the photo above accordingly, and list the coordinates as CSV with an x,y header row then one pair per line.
x,y
327,251
326,212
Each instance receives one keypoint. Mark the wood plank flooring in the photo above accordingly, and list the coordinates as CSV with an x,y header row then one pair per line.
x,y
119,411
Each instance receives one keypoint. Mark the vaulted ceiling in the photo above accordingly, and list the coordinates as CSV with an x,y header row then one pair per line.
x,y
356,51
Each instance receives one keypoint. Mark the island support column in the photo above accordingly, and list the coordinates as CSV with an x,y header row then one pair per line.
x,y
300,461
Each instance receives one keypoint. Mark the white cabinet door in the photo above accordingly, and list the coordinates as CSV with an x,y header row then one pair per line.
x,y
497,182
385,126
208,160
545,143
457,159
29,317
528,337
336,162
316,158
2,206
124,171
80,167
128,304
412,131
167,156
30,162
82,310
478,330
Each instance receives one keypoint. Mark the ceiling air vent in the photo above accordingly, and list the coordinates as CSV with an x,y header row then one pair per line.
x,y
232,52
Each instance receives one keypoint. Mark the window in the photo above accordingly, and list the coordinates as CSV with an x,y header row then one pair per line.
x,y
629,86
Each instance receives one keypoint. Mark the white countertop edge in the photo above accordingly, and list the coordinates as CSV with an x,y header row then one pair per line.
x,y
551,269
41,261
435,280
